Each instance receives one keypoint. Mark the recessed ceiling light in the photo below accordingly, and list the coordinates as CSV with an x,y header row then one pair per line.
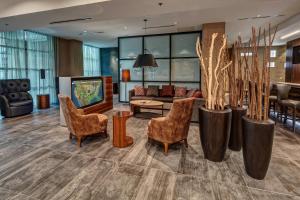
x,y
125,27
175,23
290,34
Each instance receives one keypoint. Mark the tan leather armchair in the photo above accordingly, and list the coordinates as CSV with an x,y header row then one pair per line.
x,y
79,124
175,126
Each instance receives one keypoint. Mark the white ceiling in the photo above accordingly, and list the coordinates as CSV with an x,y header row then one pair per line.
x,y
125,17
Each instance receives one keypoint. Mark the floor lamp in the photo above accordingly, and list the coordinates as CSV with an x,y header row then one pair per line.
x,y
125,79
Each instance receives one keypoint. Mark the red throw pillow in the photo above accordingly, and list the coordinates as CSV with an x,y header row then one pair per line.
x,y
198,94
139,90
191,92
167,90
180,91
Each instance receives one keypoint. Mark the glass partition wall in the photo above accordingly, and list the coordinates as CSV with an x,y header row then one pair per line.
x,y
175,55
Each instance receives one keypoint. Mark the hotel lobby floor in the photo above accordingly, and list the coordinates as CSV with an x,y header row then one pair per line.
x,y
37,161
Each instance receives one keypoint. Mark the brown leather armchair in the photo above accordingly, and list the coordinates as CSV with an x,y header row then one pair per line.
x,y
79,124
175,126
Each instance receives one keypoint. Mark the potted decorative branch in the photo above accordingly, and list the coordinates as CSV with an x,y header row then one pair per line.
x,y
237,76
214,117
258,129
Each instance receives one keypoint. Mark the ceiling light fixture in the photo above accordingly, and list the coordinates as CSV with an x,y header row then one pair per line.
x,y
290,34
71,20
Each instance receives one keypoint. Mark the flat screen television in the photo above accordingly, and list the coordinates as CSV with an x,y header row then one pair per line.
x,y
296,55
86,91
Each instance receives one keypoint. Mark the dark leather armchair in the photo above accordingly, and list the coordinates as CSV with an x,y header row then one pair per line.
x,y
14,97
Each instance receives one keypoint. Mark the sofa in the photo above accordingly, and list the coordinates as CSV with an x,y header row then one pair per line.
x,y
169,99
14,97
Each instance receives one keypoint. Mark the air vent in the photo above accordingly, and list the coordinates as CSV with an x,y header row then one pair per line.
x,y
163,26
245,18
70,20
261,17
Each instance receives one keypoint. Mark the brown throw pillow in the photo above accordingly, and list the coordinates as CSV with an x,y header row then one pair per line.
x,y
167,90
139,90
152,91
198,94
180,91
191,92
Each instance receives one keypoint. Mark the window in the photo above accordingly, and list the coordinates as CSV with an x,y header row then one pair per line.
x,y
272,64
273,53
175,55
91,61
246,54
23,54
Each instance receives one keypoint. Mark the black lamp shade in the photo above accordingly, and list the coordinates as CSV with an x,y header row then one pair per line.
x,y
145,60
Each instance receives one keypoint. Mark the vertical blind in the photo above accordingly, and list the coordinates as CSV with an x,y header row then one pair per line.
x,y
91,61
23,54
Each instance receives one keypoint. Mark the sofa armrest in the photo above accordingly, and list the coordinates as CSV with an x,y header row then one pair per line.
x,y
4,101
131,94
4,105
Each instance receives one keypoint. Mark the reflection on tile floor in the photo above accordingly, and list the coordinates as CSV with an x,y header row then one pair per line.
x,y
37,161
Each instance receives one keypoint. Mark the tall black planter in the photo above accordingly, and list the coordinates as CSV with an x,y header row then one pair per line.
x,y
235,141
257,146
214,132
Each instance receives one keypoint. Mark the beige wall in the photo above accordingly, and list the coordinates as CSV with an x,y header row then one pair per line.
x,y
278,72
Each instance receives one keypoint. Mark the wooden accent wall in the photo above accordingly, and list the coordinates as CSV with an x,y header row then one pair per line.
x,y
207,31
69,57
107,104
292,71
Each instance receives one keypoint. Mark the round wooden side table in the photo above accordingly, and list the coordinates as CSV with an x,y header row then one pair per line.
x,y
119,133
43,101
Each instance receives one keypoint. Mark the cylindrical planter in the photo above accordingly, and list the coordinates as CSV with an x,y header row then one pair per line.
x,y
214,132
235,141
257,146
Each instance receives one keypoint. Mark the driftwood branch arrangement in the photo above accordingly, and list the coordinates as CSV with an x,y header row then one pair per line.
x,y
215,71
237,73
259,77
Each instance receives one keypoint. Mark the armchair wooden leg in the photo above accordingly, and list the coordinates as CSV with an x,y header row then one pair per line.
x,y
79,142
166,148
186,143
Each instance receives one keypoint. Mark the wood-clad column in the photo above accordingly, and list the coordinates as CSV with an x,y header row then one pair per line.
x,y
69,57
292,71
207,31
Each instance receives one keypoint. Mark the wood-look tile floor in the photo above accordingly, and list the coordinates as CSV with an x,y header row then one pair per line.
x,y
37,161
